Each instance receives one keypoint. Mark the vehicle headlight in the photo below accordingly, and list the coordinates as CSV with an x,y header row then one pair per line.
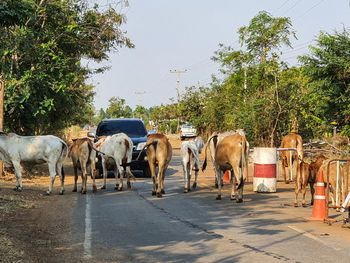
x,y
140,146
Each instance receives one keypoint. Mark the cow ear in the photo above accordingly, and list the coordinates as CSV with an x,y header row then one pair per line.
x,y
74,140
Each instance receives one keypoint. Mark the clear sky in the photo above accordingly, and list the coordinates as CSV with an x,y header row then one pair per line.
x,y
184,34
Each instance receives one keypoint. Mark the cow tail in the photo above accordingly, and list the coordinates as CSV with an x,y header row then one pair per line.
x,y
64,146
205,150
243,162
154,143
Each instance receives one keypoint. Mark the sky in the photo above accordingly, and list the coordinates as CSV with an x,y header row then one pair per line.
x,y
184,34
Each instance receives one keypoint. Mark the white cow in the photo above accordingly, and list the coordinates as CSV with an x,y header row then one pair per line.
x,y
190,151
15,149
117,155
213,141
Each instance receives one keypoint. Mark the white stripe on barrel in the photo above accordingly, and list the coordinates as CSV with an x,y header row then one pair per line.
x,y
264,169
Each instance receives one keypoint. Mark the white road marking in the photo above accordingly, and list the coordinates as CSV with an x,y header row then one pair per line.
x,y
87,240
304,233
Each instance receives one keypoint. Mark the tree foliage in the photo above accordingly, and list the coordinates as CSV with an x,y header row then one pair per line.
x,y
46,86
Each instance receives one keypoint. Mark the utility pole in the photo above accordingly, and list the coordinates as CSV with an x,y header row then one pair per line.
x,y
178,72
140,96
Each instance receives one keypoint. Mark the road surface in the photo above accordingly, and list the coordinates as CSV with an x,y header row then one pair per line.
x,y
134,226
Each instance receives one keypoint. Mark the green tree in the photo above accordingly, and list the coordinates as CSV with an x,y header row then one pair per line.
x,y
46,86
328,71
118,108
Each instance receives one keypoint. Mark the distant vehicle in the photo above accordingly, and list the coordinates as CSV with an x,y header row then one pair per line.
x,y
136,130
187,131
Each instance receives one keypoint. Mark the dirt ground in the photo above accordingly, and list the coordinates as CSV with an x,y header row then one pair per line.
x,y
36,228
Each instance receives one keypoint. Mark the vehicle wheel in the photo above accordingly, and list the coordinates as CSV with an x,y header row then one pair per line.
x,y
147,172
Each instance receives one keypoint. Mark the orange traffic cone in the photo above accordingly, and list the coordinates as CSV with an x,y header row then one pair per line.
x,y
320,211
227,176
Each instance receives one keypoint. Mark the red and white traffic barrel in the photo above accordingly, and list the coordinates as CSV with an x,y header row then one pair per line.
x,y
264,180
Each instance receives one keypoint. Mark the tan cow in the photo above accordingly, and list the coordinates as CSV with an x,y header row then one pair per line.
x,y
83,154
291,141
343,183
232,154
307,175
159,153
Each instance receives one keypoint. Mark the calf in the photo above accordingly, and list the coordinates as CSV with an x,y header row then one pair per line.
x,y
117,155
307,175
190,151
159,153
232,154
15,149
212,143
83,154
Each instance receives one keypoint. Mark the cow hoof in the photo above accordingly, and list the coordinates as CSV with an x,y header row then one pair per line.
x,y
17,189
186,191
153,192
287,181
233,197
194,185
103,187
94,189
304,205
118,188
74,190
159,195
239,200
218,197
295,204
61,192
47,193
83,192
162,191
128,186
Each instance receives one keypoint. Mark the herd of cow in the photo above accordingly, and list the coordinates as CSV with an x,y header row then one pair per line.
x,y
228,151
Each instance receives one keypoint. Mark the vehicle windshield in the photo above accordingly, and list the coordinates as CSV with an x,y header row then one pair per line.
x,y
132,129
187,126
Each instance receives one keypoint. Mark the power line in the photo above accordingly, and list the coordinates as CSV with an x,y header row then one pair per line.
x,y
307,11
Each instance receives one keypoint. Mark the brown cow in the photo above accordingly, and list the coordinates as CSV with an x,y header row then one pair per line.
x,y
343,184
291,141
232,154
307,175
83,154
159,152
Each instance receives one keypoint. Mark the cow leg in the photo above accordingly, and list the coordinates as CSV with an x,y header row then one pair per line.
x,y
152,167
312,190
185,168
128,175
219,173
92,165
297,190
189,169
163,178
196,167
52,172
84,177
119,170
233,185
75,179
104,169
160,177
285,164
17,167
60,172
240,181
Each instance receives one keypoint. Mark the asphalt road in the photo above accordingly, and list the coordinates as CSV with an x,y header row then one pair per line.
x,y
134,226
